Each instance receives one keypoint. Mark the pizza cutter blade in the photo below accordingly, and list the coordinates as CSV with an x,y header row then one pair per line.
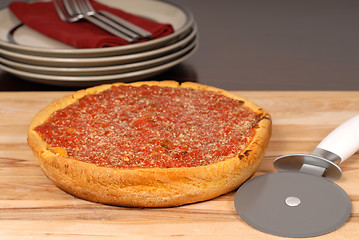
x,y
301,200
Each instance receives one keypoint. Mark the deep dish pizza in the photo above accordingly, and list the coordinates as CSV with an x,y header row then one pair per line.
x,y
150,144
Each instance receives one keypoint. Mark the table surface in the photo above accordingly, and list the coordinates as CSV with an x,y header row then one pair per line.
x,y
31,207
262,45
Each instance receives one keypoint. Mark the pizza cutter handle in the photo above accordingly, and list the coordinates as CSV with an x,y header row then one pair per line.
x,y
344,140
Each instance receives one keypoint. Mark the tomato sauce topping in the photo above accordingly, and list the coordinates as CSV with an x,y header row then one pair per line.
x,y
151,126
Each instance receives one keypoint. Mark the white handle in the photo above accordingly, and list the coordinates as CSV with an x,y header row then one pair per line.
x,y
344,140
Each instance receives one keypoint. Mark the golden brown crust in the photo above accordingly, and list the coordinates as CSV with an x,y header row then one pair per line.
x,y
148,187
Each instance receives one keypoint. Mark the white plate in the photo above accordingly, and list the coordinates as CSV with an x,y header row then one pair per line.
x,y
95,80
97,61
34,43
95,71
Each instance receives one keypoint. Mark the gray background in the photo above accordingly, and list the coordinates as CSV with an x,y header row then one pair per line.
x,y
273,44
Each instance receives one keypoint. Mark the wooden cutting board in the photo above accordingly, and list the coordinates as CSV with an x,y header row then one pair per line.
x,y
31,207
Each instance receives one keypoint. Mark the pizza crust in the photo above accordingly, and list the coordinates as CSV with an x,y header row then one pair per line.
x,y
148,187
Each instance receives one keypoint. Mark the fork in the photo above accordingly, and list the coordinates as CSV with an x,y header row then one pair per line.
x,y
69,11
87,7
130,29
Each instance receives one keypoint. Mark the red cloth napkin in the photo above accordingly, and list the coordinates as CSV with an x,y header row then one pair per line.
x,y
42,17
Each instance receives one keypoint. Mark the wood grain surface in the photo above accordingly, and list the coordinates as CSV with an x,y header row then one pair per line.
x,y
31,207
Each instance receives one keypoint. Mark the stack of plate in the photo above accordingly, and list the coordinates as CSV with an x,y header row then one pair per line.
x,y
35,57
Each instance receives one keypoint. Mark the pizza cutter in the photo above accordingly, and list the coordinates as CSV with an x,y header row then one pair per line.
x,y
300,200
